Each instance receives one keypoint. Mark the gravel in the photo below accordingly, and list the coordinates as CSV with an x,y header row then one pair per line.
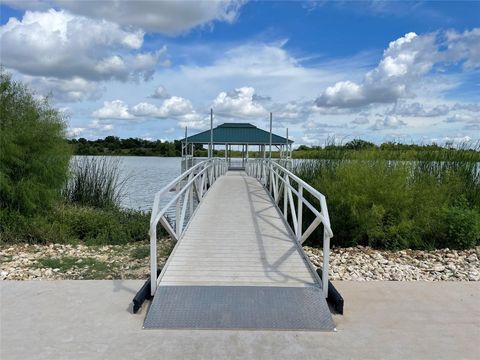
x,y
59,261
29,262
366,264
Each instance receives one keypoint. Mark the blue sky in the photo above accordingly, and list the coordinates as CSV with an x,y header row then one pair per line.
x,y
402,71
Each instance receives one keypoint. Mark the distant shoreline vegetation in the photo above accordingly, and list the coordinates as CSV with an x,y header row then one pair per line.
x,y
114,146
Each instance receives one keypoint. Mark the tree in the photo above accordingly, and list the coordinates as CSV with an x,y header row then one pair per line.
x,y
359,144
34,154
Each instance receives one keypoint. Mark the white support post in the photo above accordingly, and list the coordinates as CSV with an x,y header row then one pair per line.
x,y
300,212
270,151
153,260
325,263
190,199
286,147
210,152
326,246
285,203
177,214
270,175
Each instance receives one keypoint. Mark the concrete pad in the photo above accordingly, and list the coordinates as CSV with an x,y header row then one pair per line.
x,y
383,320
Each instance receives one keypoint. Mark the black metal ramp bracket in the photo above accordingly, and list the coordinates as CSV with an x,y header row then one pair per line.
x,y
334,299
143,294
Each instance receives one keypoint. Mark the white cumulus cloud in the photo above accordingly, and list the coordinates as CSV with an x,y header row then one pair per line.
x,y
57,43
67,52
405,62
115,109
171,107
75,132
238,103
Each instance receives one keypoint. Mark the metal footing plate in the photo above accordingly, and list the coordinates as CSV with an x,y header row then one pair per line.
x,y
239,307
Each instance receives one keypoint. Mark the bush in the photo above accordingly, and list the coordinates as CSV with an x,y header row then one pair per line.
x,y
457,228
395,204
38,228
72,224
34,155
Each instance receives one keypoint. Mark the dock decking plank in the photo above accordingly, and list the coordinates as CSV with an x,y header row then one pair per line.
x,y
237,237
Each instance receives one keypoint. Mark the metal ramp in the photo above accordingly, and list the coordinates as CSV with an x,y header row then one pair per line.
x,y
237,264
239,307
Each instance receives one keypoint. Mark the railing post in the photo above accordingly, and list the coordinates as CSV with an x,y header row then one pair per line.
x,y
190,196
202,180
325,262
153,260
177,213
299,212
285,201
326,245
270,174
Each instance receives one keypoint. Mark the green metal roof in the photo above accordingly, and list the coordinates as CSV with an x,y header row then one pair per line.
x,y
237,133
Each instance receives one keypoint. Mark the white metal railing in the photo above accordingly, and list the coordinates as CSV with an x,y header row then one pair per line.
x,y
280,182
190,187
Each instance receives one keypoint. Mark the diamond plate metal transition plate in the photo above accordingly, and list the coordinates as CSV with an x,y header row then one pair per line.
x,y
239,307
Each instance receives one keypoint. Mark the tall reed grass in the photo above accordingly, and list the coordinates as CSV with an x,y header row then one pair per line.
x,y
95,182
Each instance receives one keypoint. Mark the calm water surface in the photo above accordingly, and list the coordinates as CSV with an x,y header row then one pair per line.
x,y
145,176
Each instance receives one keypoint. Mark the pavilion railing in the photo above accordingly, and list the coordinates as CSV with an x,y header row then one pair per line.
x,y
190,188
283,184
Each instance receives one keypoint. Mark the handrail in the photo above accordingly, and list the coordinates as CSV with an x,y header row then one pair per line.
x,y
275,178
195,181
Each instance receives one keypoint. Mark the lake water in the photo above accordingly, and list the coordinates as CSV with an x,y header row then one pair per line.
x,y
146,176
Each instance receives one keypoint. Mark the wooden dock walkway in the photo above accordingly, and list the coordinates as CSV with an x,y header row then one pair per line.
x,y
237,237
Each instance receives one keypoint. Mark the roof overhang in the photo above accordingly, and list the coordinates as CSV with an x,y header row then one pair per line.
x,y
237,134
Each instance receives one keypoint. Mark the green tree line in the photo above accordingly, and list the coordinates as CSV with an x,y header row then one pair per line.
x,y
113,145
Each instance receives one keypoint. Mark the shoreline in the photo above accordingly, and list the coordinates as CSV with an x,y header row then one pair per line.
x,y
131,261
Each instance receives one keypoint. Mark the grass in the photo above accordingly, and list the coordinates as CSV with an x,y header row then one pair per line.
x,y
391,151
88,268
143,252
140,252
95,182
374,201
166,250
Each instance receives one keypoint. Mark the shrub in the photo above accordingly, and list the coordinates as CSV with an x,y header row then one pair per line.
x,y
457,228
105,226
34,155
395,204
37,228
72,224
